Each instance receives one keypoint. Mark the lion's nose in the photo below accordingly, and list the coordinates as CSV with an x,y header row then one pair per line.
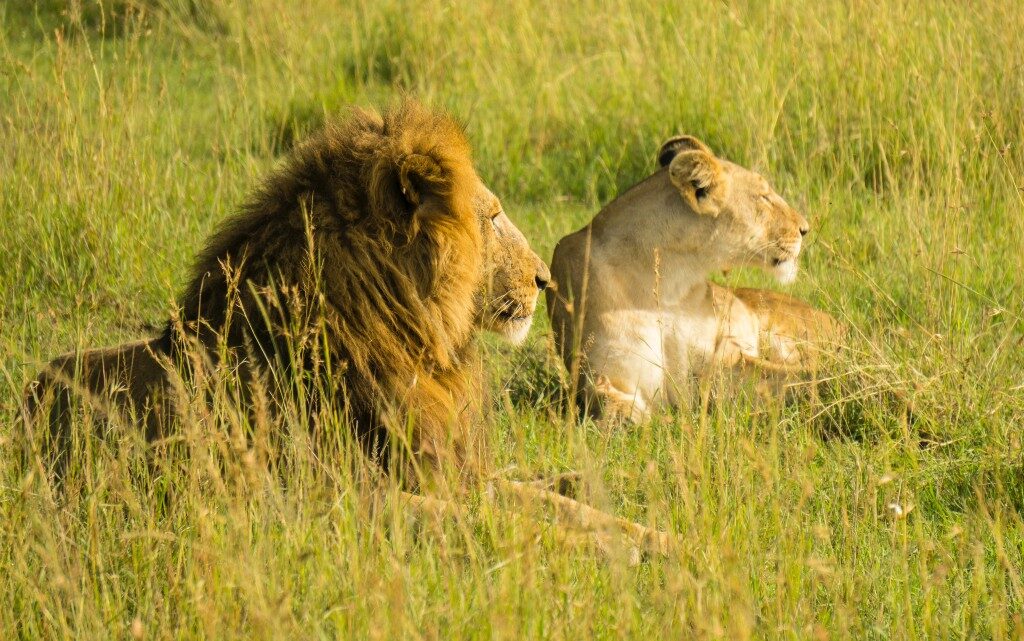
x,y
543,276
804,229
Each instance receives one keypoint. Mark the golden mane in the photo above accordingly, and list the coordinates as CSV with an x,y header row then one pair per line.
x,y
354,273
365,242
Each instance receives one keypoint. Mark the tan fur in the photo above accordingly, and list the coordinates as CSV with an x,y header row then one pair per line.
x,y
792,332
634,316
513,276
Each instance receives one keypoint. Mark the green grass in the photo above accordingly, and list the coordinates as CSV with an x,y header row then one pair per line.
x,y
128,129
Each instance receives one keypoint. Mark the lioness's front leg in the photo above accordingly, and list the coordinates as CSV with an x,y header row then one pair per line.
x,y
613,403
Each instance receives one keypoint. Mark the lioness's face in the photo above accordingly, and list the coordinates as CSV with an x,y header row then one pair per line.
x,y
752,225
514,275
769,232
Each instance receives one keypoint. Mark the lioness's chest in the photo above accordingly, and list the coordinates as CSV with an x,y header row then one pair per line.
x,y
675,344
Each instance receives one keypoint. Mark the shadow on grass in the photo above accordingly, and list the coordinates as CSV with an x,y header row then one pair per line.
x,y
117,18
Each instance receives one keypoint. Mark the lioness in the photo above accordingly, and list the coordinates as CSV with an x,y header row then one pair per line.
x,y
634,317
361,271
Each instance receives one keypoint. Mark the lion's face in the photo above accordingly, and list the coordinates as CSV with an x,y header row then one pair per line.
x,y
514,275
753,224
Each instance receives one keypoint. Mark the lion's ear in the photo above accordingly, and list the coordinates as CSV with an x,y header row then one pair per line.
x,y
698,176
677,144
420,176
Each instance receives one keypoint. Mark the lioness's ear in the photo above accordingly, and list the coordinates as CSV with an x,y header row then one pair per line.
x,y
420,176
677,144
698,176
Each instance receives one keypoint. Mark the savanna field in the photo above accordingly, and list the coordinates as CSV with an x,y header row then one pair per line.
x,y
129,128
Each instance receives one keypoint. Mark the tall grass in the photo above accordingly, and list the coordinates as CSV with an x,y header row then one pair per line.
x,y
129,127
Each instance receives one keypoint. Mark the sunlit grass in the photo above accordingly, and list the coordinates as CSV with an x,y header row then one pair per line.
x,y
129,128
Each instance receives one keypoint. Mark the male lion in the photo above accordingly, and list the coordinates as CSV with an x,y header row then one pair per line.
x,y
633,314
360,271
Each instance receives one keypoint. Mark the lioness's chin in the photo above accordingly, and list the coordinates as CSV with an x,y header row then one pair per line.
x,y
785,272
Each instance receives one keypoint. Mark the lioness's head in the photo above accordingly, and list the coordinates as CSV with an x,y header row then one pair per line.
x,y
514,275
754,225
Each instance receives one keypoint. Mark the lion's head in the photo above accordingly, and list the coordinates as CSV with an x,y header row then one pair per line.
x,y
753,224
514,275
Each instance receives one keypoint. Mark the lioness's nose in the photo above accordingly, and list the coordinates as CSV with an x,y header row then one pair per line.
x,y
802,224
543,276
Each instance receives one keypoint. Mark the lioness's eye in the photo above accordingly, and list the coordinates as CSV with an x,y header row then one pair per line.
x,y
494,222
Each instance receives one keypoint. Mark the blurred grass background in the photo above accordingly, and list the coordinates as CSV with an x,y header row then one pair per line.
x,y
130,127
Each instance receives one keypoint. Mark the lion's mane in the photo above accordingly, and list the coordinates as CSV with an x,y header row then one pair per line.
x,y
357,259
